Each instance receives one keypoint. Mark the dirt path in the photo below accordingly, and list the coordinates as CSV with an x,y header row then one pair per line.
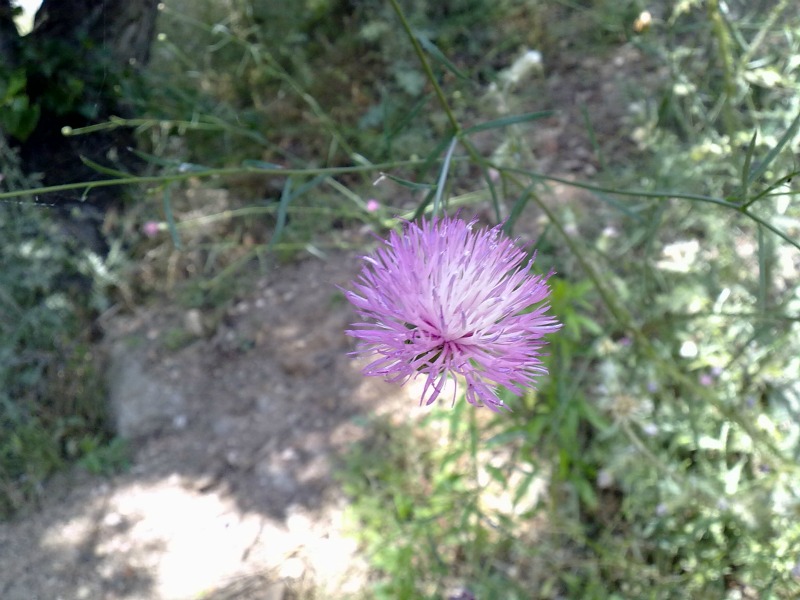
x,y
230,493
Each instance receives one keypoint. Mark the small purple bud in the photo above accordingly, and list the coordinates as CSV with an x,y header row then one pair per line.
x,y
151,228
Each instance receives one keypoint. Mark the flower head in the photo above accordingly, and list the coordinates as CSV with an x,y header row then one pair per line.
x,y
151,228
442,299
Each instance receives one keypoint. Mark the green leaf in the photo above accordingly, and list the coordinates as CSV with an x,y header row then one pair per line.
x,y
591,414
154,160
592,137
617,205
429,161
517,209
260,164
443,176
506,121
522,486
19,119
104,170
787,137
496,473
746,166
16,83
408,184
763,270
439,56
586,492
508,436
26,122
781,181
286,196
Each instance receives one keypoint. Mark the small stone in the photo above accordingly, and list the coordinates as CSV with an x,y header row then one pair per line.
x,y
140,402
293,568
289,454
276,591
193,322
297,522
604,479
234,459
297,360
112,519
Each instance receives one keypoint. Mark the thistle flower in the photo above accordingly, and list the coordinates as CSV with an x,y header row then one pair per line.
x,y
443,299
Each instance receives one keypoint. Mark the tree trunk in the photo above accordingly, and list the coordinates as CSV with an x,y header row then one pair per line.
x,y
76,61
8,34
125,29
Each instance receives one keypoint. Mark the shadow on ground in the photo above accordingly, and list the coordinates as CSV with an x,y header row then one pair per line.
x,y
234,439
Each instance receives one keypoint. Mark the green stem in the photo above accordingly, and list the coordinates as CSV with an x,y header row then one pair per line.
x,y
456,126
726,63
266,61
619,315
626,321
658,195
426,66
250,211
766,28
618,192
437,199
223,172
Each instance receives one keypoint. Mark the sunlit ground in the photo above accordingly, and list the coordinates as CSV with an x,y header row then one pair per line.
x,y
29,8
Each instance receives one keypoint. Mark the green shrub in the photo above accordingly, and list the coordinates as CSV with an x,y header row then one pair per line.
x,y
52,391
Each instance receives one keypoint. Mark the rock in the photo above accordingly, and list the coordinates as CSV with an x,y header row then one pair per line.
x,y
276,591
140,403
193,322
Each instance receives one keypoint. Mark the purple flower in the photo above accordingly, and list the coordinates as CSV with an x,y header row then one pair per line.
x,y
151,228
373,205
443,299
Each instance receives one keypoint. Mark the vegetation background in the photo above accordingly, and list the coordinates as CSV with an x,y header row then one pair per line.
x,y
667,434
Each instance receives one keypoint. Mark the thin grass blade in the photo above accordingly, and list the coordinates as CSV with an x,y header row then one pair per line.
x,y
748,159
787,137
104,170
506,121
439,56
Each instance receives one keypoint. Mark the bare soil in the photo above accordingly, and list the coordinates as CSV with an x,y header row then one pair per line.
x,y
231,483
